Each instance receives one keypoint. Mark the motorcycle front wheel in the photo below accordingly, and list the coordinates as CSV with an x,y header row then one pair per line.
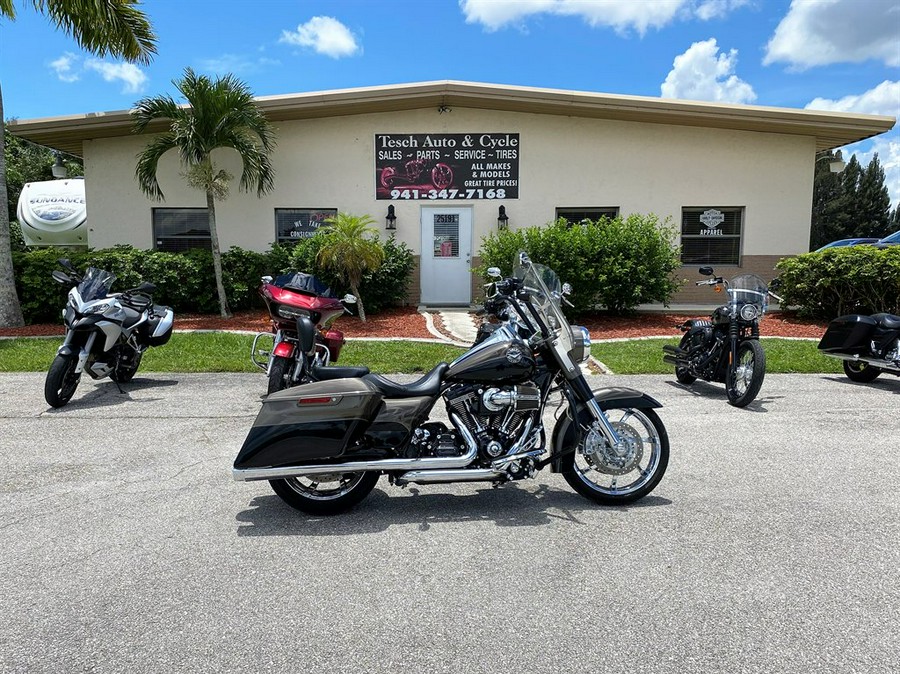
x,y
62,380
746,376
279,373
328,494
860,372
611,477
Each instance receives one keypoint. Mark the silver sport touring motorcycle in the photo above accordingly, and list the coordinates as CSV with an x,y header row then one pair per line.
x,y
322,446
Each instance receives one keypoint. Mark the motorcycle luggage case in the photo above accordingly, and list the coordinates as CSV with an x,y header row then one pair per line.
x,y
309,422
160,325
848,334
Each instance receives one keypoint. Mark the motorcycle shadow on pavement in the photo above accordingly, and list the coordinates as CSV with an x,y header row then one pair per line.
x,y
702,389
107,394
508,506
890,384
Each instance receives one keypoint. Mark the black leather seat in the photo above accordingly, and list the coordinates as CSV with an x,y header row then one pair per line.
x,y
428,385
888,321
320,373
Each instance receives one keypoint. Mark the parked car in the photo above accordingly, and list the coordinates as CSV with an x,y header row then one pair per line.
x,y
889,240
847,242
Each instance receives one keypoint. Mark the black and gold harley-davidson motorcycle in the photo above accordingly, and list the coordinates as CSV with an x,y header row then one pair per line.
x,y
322,446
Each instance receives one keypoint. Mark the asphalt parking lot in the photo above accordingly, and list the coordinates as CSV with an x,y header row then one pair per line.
x,y
771,545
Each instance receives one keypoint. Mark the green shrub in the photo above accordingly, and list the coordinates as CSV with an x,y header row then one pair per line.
x,y
844,280
614,263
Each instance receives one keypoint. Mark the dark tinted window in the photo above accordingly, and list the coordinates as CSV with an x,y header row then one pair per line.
x,y
711,235
293,224
576,214
176,229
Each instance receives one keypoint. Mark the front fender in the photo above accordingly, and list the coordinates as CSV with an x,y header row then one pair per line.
x,y
610,398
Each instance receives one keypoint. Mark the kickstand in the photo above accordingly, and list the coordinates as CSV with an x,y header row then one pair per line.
x,y
119,387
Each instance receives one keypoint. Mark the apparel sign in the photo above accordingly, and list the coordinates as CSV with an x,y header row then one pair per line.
x,y
712,219
445,167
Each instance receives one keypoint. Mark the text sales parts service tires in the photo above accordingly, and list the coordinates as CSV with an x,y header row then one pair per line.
x,y
278,374
746,378
609,477
328,494
62,380
861,372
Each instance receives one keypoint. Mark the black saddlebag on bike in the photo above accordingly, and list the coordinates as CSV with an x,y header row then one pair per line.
x,y
848,334
309,422
158,328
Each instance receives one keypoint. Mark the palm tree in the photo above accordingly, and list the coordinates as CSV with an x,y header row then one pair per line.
x,y
114,27
349,251
219,114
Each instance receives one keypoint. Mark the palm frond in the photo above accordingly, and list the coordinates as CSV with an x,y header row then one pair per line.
x,y
115,27
148,161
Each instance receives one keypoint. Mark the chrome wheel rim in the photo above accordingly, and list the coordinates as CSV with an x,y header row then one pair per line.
x,y
324,487
743,372
630,468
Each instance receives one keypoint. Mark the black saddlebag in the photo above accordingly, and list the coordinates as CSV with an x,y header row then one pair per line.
x,y
848,334
310,422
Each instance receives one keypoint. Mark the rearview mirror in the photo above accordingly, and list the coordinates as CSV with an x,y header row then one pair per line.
x,y
494,272
706,271
349,299
61,277
775,283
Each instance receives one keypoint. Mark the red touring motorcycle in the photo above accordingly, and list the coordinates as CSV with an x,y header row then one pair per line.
x,y
302,309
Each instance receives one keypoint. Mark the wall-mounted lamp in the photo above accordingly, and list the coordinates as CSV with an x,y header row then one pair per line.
x,y
836,164
58,170
390,220
502,218
444,108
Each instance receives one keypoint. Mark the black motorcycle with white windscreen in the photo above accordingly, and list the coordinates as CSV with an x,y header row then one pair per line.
x,y
106,333
868,345
322,446
725,348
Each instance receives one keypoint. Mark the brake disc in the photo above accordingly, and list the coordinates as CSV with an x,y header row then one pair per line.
x,y
605,459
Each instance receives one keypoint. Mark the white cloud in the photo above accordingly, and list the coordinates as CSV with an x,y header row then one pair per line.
x,y
881,100
703,74
326,35
837,31
129,74
621,15
63,67
236,64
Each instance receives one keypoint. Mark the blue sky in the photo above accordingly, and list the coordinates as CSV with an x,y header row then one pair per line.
x,y
825,54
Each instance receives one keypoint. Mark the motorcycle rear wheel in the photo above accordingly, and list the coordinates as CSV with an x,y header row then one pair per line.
x,y
860,372
329,494
746,377
596,470
62,380
123,374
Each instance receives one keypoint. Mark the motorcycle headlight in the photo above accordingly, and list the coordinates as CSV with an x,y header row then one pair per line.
x,y
97,309
581,349
285,311
749,312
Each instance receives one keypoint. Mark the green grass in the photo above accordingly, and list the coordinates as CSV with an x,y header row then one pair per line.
x,y
645,356
226,352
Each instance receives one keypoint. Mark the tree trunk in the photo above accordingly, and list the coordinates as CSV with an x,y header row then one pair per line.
x,y
362,310
216,255
10,310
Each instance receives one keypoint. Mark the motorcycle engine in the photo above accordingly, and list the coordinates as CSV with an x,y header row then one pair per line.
x,y
494,415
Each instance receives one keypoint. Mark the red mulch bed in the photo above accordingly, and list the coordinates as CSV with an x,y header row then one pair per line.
x,y
407,322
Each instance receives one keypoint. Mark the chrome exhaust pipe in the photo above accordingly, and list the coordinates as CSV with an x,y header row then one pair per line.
x,y
460,475
888,365
425,464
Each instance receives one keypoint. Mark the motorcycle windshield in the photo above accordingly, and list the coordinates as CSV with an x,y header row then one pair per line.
x,y
544,295
95,284
748,289
303,283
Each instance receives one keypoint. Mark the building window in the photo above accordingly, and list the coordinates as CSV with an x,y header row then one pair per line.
x,y
293,224
178,229
711,235
576,215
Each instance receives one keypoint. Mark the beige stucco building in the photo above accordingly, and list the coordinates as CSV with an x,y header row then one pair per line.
x,y
736,180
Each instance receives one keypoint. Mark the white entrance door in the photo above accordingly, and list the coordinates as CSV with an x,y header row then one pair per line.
x,y
445,263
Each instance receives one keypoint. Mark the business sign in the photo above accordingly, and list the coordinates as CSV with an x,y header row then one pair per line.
x,y
711,219
293,224
447,166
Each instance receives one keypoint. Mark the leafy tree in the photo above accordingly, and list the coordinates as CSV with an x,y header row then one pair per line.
x,y
221,114
350,251
873,202
114,27
827,189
